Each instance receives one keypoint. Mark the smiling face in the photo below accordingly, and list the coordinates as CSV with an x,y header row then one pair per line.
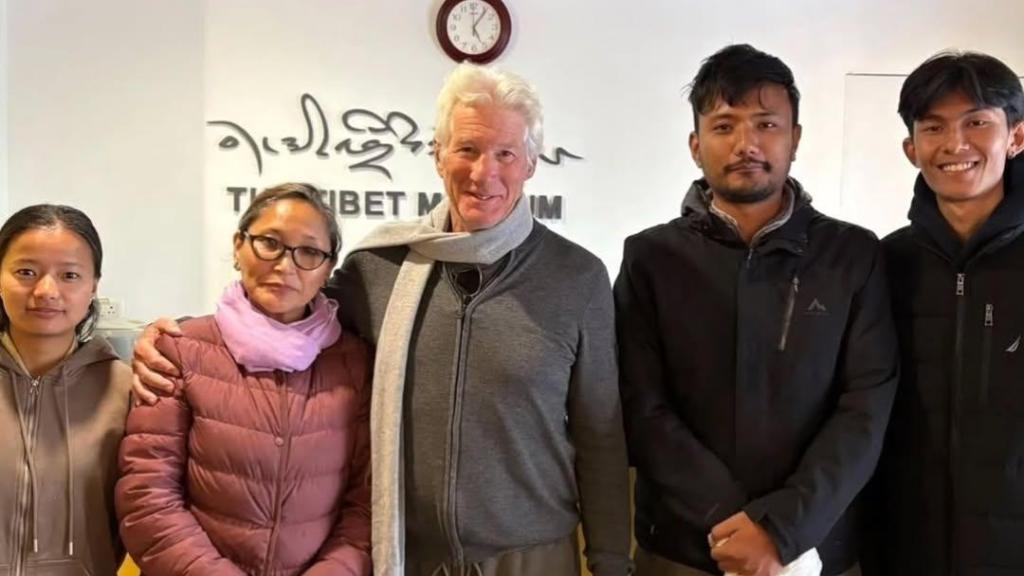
x,y
961,149
47,281
279,288
745,149
484,165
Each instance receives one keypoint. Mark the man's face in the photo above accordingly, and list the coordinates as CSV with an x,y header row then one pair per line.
x,y
961,148
484,165
745,150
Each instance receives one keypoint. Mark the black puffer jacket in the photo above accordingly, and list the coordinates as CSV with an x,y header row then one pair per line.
x,y
953,470
756,379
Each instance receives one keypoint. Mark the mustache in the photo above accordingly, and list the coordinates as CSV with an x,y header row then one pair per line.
x,y
743,164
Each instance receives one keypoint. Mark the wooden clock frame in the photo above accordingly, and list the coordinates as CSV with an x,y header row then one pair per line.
x,y
453,52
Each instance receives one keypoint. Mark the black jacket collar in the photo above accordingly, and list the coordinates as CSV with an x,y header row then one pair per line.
x,y
1005,223
791,235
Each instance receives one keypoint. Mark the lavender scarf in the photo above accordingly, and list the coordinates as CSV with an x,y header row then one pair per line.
x,y
261,344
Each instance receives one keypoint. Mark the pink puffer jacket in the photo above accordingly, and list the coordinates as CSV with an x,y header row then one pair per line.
x,y
250,473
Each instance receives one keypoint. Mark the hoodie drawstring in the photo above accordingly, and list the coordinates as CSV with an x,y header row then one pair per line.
x,y
71,470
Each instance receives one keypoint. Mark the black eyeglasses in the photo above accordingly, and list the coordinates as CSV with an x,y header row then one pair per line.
x,y
269,248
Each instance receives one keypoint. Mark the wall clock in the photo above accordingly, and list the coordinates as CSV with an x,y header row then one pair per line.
x,y
474,30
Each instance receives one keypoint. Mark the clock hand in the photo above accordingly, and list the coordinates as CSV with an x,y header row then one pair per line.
x,y
477,21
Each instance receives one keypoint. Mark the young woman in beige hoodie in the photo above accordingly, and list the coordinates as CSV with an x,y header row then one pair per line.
x,y
63,400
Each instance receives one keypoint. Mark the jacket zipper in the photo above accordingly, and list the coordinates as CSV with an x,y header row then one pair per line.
x,y
449,516
794,287
954,403
986,351
25,490
286,435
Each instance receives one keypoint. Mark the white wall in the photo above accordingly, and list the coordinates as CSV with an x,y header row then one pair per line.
x,y
4,40
107,101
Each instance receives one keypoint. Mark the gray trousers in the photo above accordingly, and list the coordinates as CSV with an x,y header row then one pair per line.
x,y
559,558
648,564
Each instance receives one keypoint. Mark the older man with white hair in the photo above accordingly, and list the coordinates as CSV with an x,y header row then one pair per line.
x,y
496,424
496,418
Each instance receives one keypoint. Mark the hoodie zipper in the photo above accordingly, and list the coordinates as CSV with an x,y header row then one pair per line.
x,y
25,495
986,351
794,288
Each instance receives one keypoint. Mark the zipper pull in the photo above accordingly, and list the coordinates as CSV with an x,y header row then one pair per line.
x,y
989,315
961,279
794,287
35,386
750,255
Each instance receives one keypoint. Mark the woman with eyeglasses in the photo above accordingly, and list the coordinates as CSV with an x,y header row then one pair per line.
x,y
259,462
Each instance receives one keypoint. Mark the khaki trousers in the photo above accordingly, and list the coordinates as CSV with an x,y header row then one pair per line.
x,y
648,564
559,558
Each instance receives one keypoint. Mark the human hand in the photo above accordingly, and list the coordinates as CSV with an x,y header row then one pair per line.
x,y
149,366
740,546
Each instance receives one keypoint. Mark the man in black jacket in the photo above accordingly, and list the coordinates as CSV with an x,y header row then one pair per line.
x,y
953,467
758,356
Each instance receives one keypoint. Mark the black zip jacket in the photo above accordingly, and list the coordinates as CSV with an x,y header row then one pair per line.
x,y
756,379
953,469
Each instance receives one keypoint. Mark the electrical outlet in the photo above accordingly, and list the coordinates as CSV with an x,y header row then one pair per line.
x,y
110,308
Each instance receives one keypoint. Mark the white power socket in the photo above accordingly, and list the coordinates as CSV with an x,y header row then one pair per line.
x,y
110,308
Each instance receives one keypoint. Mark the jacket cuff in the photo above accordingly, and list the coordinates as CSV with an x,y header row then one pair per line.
x,y
787,548
611,565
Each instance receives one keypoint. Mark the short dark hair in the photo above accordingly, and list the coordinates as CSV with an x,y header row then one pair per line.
x,y
294,191
41,216
734,71
982,78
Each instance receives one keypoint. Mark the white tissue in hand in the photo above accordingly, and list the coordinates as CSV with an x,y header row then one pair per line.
x,y
807,564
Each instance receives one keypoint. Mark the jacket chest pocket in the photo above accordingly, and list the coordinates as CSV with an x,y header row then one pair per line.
x,y
1000,367
812,315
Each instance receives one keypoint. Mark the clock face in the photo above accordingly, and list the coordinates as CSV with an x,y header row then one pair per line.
x,y
473,27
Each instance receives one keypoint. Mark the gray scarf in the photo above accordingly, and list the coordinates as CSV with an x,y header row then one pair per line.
x,y
428,243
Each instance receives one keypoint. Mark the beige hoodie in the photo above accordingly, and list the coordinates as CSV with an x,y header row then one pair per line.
x,y
56,496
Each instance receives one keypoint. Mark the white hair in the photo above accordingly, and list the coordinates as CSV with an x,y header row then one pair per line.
x,y
474,85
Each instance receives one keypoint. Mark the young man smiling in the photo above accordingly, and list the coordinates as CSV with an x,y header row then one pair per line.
x,y
953,471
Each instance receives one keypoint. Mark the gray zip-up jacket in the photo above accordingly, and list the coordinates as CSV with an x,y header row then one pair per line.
x,y
512,426
58,464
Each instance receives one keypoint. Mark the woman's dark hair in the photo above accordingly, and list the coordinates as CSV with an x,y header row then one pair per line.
x,y
984,79
294,191
43,216
734,71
